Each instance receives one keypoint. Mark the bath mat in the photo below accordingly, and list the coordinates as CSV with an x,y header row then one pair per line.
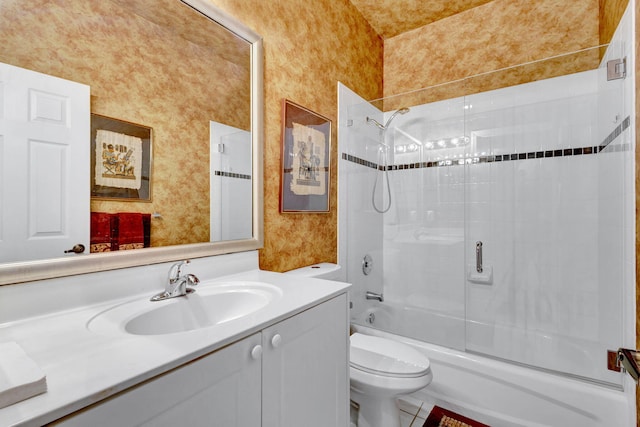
x,y
440,417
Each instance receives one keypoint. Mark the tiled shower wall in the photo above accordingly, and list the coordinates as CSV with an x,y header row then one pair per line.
x,y
230,172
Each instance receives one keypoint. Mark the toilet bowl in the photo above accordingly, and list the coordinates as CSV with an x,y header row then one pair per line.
x,y
380,369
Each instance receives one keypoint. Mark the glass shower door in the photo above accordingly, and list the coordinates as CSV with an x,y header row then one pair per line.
x,y
534,205
424,229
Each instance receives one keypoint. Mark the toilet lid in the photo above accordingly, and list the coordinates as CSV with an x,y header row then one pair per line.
x,y
382,356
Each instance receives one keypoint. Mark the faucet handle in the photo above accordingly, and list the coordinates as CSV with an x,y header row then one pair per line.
x,y
192,280
189,281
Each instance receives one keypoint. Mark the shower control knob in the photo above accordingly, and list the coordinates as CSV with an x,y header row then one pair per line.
x,y
276,340
367,265
256,352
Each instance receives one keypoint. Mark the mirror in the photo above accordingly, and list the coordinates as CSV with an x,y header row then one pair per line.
x,y
187,71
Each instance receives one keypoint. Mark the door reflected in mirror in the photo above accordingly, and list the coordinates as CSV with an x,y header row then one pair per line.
x,y
45,165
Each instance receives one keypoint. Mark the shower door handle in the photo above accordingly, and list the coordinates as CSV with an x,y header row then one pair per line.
x,y
479,256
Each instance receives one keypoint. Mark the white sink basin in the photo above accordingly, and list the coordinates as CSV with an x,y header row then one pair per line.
x,y
209,306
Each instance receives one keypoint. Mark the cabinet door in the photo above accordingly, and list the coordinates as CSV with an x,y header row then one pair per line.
x,y
306,368
221,389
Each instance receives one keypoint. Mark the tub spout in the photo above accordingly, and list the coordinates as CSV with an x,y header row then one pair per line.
x,y
373,295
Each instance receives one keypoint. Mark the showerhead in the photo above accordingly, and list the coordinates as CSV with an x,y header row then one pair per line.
x,y
399,111
384,127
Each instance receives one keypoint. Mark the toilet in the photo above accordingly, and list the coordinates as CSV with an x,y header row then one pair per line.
x,y
380,369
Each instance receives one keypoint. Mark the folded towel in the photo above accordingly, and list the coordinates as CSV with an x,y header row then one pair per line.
x,y
120,231
130,231
102,225
20,377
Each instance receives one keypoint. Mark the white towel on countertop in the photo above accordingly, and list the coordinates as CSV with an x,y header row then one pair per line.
x,y
20,376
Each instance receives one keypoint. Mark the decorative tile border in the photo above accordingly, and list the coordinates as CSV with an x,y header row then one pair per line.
x,y
358,160
232,175
504,157
616,132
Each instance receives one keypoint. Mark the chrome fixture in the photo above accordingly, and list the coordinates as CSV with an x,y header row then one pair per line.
x,y
377,123
367,265
383,159
617,69
177,285
479,268
628,359
386,125
373,295
371,318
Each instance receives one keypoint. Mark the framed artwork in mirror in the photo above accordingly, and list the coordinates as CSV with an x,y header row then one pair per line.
x,y
120,160
306,159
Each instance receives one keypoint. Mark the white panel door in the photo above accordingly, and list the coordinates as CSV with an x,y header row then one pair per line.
x,y
44,161
305,368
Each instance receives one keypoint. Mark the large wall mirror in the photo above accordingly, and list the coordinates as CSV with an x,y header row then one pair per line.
x,y
132,128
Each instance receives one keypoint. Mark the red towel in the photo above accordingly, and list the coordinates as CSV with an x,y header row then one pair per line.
x,y
130,231
120,231
101,231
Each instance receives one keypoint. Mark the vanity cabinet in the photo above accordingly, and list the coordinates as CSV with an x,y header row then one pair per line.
x,y
220,389
305,368
293,373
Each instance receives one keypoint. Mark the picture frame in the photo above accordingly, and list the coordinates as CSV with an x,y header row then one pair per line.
x,y
306,160
121,160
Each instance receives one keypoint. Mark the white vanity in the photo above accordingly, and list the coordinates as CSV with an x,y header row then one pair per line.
x,y
283,362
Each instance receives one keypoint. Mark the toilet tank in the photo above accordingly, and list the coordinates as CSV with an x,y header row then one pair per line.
x,y
324,270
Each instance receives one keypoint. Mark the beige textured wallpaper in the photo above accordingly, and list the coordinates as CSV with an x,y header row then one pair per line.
x,y
498,34
392,17
141,73
309,47
610,13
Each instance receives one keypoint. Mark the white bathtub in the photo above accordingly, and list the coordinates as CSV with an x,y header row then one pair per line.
x,y
505,395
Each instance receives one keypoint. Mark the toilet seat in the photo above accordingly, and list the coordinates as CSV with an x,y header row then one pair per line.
x,y
384,357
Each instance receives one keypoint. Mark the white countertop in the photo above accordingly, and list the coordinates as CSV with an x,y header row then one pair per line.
x,y
83,367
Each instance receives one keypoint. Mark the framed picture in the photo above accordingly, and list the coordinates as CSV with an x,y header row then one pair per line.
x,y
120,160
306,150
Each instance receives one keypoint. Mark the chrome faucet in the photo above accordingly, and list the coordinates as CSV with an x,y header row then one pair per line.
x,y
177,285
